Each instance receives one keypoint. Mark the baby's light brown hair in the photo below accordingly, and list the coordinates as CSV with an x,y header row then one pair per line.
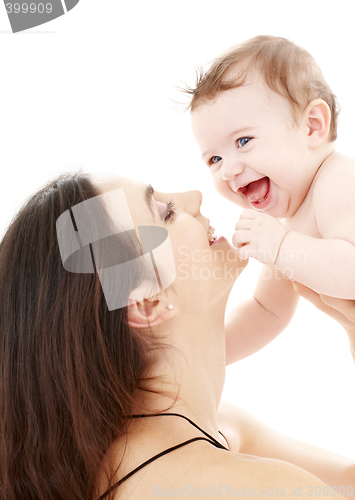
x,y
285,67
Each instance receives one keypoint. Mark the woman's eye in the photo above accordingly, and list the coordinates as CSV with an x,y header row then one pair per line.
x,y
243,141
166,210
215,159
170,207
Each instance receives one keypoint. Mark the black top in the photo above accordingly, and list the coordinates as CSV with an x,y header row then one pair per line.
x,y
210,439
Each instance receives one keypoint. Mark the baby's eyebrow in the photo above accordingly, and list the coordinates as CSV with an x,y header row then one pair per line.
x,y
234,132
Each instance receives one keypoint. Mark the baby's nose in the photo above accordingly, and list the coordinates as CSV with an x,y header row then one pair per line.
x,y
230,169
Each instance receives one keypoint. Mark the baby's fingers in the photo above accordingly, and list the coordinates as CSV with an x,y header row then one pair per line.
x,y
245,252
243,224
249,213
240,238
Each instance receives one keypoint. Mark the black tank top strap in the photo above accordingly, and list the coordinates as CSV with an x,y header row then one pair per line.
x,y
217,443
162,453
209,439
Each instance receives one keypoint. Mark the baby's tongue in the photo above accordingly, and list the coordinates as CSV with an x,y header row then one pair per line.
x,y
258,189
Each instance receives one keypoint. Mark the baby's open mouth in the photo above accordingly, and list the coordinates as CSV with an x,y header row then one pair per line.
x,y
257,191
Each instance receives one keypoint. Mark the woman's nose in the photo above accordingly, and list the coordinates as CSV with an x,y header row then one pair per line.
x,y
190,201
231,168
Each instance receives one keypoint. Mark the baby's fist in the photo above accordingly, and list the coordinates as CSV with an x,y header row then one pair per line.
x,y
259,236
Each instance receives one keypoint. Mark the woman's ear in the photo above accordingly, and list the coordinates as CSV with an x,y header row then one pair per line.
x,y
317,117
149,313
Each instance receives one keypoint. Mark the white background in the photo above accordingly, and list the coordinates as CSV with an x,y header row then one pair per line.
x,y
95,89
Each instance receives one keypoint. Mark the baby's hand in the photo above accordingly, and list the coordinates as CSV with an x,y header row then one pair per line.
x,y
259,235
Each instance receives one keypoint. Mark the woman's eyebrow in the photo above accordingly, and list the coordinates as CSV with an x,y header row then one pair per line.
x,y
149,199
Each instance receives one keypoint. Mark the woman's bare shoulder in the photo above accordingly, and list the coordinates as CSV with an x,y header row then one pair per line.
x,y
231,474
199,469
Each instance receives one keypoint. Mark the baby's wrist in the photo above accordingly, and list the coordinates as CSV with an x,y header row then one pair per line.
x,y
280,245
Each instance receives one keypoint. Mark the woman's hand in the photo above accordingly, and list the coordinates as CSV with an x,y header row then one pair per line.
x,y
342,310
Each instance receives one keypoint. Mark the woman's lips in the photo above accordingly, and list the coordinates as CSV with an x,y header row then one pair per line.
x,y
218,240
210,235
213,238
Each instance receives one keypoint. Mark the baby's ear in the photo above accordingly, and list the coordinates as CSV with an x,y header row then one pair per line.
x,y
317,116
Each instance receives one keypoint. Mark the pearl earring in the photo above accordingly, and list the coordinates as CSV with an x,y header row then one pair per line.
x,y
170,306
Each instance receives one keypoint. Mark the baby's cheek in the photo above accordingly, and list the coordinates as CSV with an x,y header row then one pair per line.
x,y
222,187
228,194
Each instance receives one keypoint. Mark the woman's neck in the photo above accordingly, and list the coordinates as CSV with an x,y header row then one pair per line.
x,y
189,377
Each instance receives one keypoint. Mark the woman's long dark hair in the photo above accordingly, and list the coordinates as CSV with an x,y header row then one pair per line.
x,y
69,366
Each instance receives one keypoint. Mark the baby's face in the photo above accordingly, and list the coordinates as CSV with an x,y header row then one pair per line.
x,y
257,155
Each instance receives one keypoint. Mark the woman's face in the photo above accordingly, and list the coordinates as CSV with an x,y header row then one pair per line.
x,y
203,271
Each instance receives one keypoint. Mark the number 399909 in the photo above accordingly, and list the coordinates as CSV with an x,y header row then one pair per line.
x,y
25,8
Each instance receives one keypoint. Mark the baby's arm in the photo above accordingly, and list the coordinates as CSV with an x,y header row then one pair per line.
x,y
325,265
255,322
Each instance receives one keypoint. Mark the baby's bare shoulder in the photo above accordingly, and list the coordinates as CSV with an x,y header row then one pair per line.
x,y
333,196
335,181
337,169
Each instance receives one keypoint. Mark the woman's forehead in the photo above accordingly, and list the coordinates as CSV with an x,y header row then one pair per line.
x,y
134,195
111,181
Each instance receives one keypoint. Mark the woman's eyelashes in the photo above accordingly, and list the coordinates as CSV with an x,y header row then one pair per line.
x,y
170,211
243,141
166,210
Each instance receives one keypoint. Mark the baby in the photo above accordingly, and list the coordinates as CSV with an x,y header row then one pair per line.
x,y
266,122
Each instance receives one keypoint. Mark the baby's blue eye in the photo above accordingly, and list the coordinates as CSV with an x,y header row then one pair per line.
x,y
215,159
243,141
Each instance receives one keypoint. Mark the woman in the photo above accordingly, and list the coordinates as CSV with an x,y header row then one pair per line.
x,y
88,394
